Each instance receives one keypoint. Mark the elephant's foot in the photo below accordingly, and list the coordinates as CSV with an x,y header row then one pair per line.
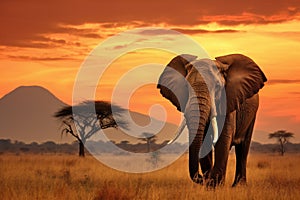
x,y
215,180
239,181
198,179
206,175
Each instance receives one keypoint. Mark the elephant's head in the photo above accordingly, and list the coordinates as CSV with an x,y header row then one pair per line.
x,y
172,82
196,88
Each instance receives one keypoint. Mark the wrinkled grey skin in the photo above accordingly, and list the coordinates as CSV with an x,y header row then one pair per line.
x,y
201,99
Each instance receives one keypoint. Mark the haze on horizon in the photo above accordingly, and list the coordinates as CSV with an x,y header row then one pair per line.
x,y
44,43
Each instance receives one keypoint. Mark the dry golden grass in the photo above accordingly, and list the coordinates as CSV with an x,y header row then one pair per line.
x,y
71,177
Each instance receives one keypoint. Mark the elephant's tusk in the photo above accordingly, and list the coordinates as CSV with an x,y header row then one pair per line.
x,y
215,129
178,131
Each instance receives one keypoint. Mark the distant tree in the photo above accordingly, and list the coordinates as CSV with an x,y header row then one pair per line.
x,y
282,137
5,141
24,149
124,142
34,144
86,117
5,144
154,158
149,138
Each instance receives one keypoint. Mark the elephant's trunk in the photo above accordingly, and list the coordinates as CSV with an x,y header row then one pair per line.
x,y
197,115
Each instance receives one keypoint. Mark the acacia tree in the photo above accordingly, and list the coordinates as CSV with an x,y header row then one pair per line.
x,y
149,138
282,137
82,121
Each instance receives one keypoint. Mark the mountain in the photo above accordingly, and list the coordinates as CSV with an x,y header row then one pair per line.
x,y
26,115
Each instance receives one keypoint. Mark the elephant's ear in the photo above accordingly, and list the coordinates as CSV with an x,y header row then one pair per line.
x,y
172,83
179,62
243,77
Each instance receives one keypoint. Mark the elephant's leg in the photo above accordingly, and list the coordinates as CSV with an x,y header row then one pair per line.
x,y
240,173
241,153
206,158
222,148
206,164
194,164
218,172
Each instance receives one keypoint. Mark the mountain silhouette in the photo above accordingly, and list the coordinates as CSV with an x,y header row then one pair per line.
x,y
26,114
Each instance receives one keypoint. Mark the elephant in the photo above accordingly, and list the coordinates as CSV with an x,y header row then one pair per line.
x,y
222,94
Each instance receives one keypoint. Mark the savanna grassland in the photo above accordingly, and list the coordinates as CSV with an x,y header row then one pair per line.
x,y
55,176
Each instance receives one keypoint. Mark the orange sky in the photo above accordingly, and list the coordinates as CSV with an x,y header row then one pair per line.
x,y
44,43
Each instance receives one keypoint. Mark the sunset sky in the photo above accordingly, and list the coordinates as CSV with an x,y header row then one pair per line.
x,y
45,42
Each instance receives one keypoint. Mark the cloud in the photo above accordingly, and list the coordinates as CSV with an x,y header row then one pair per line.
x,y
83,32
23,27
33,58
120,46
37,41
184,31
249,18
283,81
294,93
204,31
157,32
